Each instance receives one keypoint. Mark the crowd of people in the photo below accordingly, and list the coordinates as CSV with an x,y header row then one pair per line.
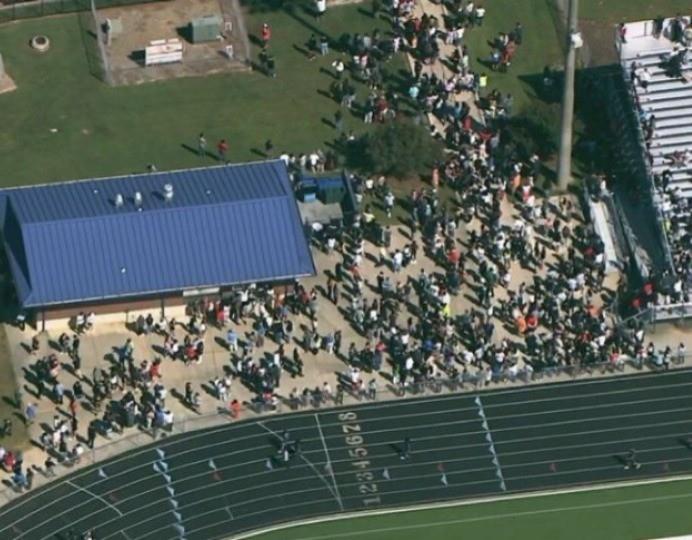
x,y
534,283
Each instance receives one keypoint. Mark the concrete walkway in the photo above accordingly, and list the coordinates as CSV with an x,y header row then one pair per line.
x,y
437,10
98,346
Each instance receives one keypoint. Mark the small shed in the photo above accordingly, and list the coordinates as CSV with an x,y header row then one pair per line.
x,y
207,28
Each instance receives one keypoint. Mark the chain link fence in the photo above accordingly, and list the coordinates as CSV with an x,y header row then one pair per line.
x,y
12,11
464,383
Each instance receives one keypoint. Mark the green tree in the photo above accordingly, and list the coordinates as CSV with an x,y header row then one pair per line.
x,y
401,149
535,130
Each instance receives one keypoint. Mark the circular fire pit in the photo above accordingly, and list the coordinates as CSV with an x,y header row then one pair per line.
x,y
40,43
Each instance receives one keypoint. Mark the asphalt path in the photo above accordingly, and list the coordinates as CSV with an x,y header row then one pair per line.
x,y
222,481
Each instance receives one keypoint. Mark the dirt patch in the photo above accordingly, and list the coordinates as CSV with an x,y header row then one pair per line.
x,y
144,23
6,84
600,37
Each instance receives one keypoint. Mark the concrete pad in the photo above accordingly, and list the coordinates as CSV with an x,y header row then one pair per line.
x,y
7,84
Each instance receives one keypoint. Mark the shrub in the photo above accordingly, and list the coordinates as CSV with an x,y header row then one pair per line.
x,y
535,130
400,149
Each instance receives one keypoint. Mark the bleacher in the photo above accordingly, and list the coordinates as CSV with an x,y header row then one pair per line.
x,y
669,100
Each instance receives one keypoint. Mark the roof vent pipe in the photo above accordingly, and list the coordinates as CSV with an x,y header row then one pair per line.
x,y
138,199
119,201
168,192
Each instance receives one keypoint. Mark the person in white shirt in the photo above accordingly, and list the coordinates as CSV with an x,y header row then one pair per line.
x,y
479,15
644,78
320,8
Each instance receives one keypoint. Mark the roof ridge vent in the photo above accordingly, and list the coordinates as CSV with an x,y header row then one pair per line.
x,y
168,192
119,201
137,199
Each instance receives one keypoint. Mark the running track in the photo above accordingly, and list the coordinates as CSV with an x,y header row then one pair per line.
x,y
463,445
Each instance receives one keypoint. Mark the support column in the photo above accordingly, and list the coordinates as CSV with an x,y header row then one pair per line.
x,y
564,167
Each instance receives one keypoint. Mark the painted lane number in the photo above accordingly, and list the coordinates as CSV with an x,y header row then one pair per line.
x,y
358,454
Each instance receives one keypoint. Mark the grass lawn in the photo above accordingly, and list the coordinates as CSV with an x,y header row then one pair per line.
x,y
650,511
613,11
107,131
104,131
540,47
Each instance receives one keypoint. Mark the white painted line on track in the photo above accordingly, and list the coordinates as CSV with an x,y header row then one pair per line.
x,y
468,502
329,461
310,464
97,497
441,399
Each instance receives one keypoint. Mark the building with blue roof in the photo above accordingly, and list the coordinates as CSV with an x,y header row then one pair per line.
x,y
144,238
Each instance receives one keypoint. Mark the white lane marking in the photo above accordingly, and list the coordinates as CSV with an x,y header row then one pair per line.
x,y
439,399
95,496
329,461
506,515
309,464
470,502
491,444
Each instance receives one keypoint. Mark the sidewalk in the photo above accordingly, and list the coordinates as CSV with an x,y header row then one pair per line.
x,y
98,346
437,10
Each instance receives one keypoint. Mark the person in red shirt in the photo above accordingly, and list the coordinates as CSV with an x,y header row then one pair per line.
x,y
266,35
532,322
155,369
73,407
222,148
234,408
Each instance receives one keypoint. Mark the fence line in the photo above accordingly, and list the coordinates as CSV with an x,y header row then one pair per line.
x,y
44,8
461,385
101,43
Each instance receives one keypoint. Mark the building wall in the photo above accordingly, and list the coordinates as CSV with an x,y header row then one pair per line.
x,y
126,311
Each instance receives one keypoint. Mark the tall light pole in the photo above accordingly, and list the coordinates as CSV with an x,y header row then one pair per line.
x,y
564,166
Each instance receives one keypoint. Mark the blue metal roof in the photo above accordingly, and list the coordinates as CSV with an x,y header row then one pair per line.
x,y
69,242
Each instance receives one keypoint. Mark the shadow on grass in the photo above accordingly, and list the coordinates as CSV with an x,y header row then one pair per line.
x,y
195,151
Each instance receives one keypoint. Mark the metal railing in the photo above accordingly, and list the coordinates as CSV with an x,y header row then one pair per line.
x,y
43,8
643,152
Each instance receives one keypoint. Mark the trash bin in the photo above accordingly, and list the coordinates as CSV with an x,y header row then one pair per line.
x,y
308,189
331,190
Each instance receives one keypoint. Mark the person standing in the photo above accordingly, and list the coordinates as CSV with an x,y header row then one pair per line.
x,y
324,45
188,394
74,405
320,8
339,68
59,392
405,453
266,35
35,345
91,434
77,365
271,66
631,460
29,478
30,413
49,466
202,145
222,149
372,389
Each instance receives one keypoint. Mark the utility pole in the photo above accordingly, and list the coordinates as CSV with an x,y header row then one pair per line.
x,y
564,166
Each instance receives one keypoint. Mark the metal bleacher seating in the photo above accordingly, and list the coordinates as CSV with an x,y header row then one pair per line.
x,y
668,100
